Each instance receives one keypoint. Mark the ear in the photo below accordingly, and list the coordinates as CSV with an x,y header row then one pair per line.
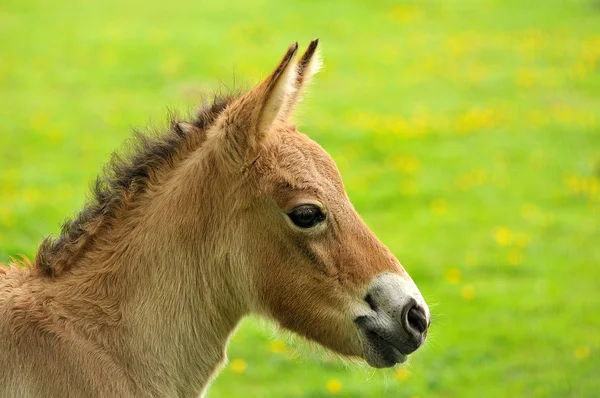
x,y
310,63
244,124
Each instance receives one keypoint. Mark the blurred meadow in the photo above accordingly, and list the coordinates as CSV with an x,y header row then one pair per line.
x,y
467,133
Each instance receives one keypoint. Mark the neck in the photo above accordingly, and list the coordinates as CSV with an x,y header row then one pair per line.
x,y
163,311
180,328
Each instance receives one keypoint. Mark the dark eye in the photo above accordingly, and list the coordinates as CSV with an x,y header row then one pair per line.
x,y
306,216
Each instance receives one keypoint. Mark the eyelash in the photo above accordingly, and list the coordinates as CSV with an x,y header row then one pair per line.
x,y
307,216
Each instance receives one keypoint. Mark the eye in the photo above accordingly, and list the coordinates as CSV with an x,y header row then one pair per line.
x,y
307,216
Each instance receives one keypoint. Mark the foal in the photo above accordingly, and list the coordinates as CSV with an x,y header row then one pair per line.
x,y
231,214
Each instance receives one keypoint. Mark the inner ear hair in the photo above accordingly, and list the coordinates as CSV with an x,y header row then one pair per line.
x,y
310,63
278,88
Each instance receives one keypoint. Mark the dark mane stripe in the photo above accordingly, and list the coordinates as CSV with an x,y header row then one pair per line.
x,y
123,179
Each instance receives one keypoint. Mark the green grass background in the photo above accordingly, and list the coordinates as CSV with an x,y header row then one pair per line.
x,y
467,133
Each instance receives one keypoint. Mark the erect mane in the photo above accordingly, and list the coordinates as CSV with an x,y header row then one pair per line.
x,y
123,179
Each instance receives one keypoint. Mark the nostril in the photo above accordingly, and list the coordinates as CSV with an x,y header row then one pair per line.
x,y
369,300
416,319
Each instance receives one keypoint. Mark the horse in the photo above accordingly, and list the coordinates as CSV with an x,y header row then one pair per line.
x,y
230,214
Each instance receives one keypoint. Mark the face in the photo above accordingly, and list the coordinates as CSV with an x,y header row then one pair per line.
x,y
317,268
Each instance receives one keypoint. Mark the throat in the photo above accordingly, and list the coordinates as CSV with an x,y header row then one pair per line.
x,y
183,352
183,328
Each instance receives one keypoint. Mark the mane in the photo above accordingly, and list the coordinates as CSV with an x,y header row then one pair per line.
x,y
122,180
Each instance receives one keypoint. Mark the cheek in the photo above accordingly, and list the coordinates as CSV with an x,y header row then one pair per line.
x,y
294,279
299,289
310,304
317,255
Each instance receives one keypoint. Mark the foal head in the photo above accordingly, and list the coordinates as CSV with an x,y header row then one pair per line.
x,y
308,259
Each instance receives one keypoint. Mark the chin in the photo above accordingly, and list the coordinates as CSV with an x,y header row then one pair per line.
x,y
379,354
386,360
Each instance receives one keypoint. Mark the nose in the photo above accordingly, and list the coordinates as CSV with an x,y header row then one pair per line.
x,y
404,324
399,318
414,321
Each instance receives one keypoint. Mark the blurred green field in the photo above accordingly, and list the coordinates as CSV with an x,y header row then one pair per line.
x,y
467,133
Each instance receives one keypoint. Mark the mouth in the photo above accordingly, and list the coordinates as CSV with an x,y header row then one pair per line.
x,y
380,353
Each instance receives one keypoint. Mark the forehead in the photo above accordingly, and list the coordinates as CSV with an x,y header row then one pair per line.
x,y
298,164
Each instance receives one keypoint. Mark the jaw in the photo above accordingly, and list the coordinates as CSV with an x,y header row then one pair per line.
x,y
346,339
347,344
332,330
373,349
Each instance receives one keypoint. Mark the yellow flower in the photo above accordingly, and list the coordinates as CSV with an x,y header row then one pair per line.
x,y
411,165
238,365
515,257
439,207
538,159
467,292
502,236
479,176
108,57
334,386
453,276
406,164
54,135
476,73
31,195
472,259
471,179
404,13
463,181
530,212
402,373
522,240
39,121
408,188
500,180
7,218
278,347
579,71
573,183
475,119
525,77
171,65
582,352
158,36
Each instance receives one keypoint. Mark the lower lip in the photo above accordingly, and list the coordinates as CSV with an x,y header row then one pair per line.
x,y
387,352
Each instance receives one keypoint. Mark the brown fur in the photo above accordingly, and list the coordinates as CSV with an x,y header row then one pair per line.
x,y
139,294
